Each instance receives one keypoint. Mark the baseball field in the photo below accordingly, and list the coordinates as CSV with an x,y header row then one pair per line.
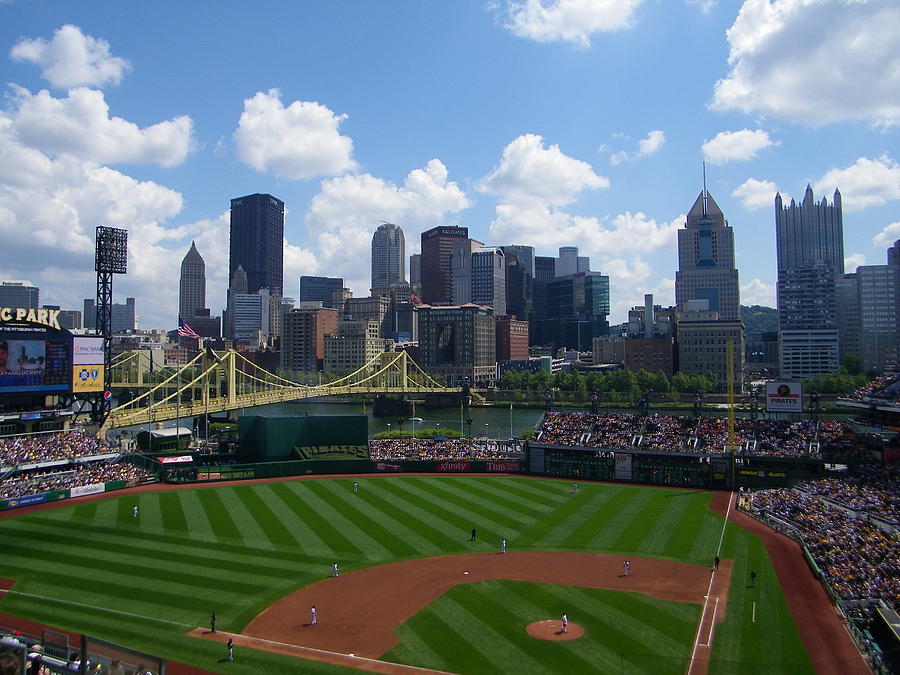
x,y
259,554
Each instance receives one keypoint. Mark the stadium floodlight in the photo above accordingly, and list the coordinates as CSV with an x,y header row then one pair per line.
x,y
111,250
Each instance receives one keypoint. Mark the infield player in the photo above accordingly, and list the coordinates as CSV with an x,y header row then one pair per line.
x,y
334,570
626,568
565,623
313,616
503,546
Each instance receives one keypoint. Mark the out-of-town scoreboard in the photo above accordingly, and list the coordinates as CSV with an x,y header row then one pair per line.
x,y
38,356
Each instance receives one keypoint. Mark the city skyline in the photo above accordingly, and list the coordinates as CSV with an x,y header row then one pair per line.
x,y
574,126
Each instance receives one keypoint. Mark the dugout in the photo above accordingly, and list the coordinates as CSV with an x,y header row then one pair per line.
x,y
266,439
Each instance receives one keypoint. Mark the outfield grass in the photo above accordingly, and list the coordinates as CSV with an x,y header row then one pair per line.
x,y
143,582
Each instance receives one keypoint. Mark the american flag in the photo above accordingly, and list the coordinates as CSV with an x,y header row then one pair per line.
x,y
185,330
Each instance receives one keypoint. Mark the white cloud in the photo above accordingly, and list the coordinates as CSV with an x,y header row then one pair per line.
x,y
568,20
756,292
728,146
80,125
297,142
854,260
888,235
72,58
645,147
346,210
814,61
547,229
868,182
706,6
531,173
757,194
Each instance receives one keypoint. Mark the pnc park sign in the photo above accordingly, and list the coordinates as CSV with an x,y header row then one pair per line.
x,y
42,317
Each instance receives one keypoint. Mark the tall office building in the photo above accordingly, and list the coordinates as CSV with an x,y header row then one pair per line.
x,y
810,247
303,337
458,343
257,241
519,281
567,262
579,307
320,289
706,260
236,286
415,269
388,256
544,273
480,277
123,316
438,245
19,294
192,288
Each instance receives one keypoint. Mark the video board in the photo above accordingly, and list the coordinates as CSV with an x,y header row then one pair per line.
x,y
35,353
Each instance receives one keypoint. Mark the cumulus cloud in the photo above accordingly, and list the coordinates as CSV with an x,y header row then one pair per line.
x,y
296,142
72,58
343,214
572,21
645,147
888,235
706,6
854,260
867,182
757,194
729,146
80,125
756,292
529,173
814,61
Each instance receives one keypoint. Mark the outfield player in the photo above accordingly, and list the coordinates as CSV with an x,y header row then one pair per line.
x,y
230,646
574,488
355,487
503,546
212,622
334,570
134,511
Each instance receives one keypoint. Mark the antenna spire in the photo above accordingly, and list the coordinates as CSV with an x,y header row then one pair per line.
x,y
705,193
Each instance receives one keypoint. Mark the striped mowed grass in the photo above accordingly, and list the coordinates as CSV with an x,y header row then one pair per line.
x,y
144,582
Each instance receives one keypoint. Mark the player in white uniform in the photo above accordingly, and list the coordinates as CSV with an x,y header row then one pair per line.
x,y
355,487
565,623
334,570
134,511
313,617
626,568
503,546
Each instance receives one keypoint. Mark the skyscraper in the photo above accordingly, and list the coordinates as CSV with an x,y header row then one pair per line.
x,y
706,260
438,245
320,289
192,289
388,256
567,262
257,241
19,294
810,247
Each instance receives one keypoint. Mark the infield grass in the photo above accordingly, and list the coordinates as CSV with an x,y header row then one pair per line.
x,y
144,582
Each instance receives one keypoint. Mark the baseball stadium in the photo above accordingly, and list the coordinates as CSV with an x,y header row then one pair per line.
x,y
611,542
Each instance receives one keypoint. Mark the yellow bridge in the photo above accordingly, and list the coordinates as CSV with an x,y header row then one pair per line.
x,y
214,383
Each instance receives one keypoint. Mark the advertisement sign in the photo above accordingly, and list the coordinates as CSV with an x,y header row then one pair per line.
x,y
623,466
180,459
502,467
83,490
87,378
28,500
446,467
384,466
784,397
87,351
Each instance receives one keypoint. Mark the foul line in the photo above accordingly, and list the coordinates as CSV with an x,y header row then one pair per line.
x,y
99,609
712,578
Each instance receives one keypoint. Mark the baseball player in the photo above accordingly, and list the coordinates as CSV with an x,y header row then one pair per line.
x,y
230,646
134,511
355,487
565,623
503,546
313,617
626,568
212,622
334,570
574,488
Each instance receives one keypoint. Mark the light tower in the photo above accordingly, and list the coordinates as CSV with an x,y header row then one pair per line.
x,y
111,257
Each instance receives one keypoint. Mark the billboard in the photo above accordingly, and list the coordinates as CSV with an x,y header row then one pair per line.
x,y
784,397
86,379
35,353
87,350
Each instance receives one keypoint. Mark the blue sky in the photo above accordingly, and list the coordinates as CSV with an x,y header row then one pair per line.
x,y
551,123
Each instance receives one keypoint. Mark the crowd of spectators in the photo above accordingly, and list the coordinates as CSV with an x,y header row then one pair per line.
x,y
433,449
857,558
668,433
47,447
875,389
36,482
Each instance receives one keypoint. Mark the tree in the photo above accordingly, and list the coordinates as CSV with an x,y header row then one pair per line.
x,y
852,364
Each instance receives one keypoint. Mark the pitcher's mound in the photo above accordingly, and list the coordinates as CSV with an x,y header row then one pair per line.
x,y
552,630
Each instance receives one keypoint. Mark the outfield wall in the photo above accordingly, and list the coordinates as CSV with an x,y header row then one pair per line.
x,y
57,495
